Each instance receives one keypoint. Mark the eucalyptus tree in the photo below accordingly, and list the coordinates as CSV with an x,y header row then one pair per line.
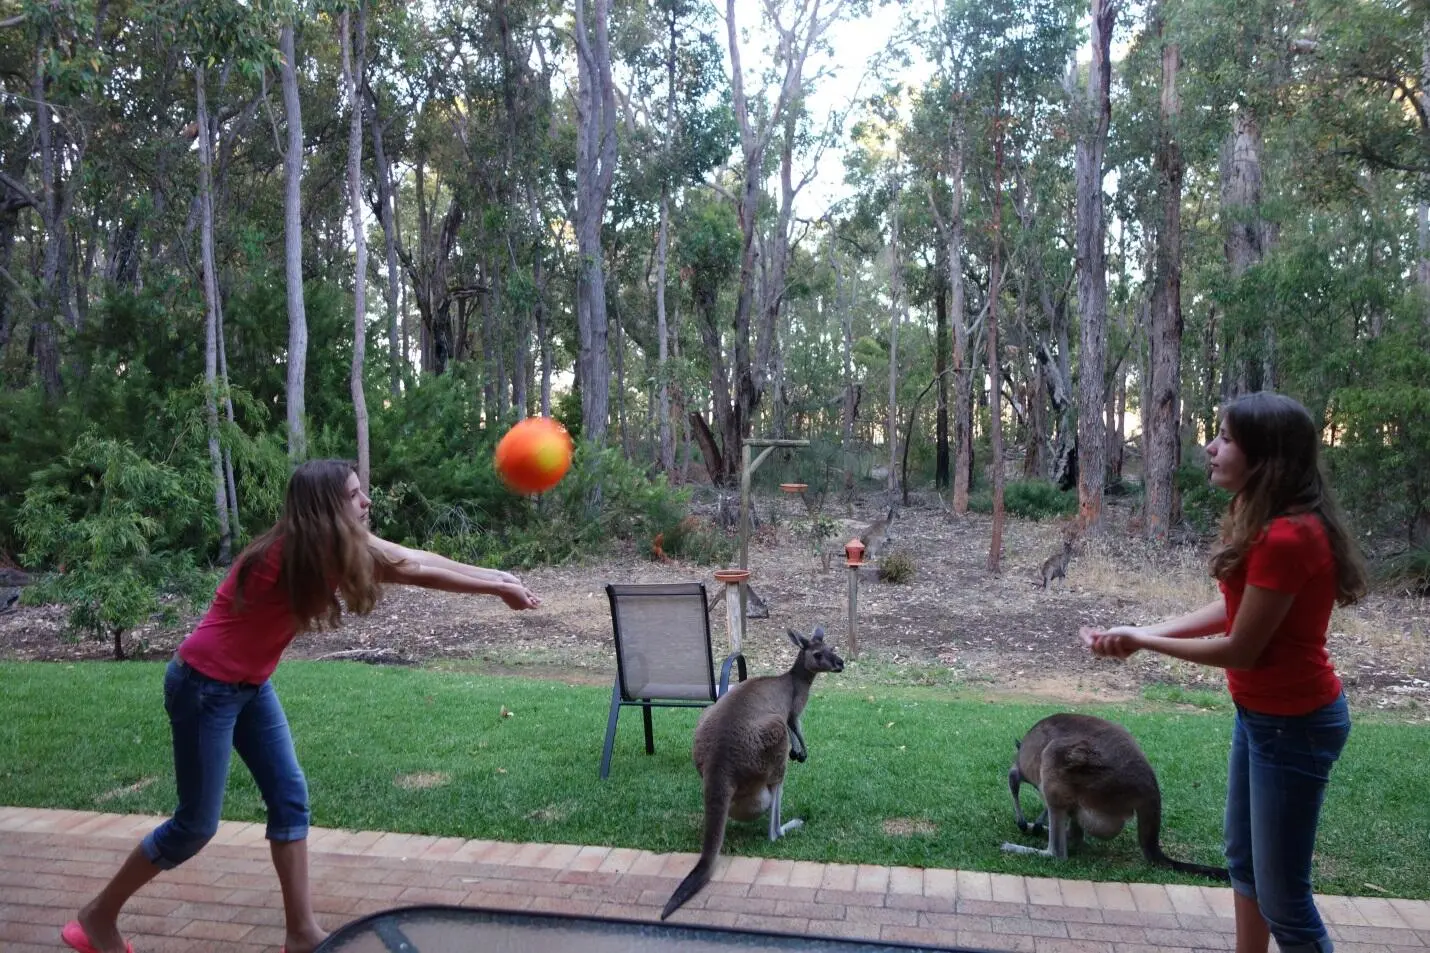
x,y
1095,117
799,28
297,355
353,38
595,170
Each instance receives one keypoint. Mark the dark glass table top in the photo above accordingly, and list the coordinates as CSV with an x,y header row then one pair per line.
x,y
446,929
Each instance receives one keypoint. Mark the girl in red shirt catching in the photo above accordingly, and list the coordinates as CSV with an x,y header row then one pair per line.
x,y
1285,558
219,699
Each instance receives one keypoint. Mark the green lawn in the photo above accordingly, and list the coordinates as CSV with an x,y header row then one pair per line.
x,y
903,776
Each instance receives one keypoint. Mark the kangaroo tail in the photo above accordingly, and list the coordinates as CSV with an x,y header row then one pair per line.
x,y
1149,834
717,808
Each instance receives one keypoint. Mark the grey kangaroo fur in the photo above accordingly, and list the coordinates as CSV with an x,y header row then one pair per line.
x,y
743,743
1056,565
877,535
1093,778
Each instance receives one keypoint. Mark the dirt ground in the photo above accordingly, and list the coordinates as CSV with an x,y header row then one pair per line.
x,y
954,623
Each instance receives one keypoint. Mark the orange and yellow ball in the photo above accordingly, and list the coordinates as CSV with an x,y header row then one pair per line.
x,y
534,455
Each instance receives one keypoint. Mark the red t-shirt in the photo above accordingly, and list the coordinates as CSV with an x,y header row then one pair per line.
x,y
1294,674
234,645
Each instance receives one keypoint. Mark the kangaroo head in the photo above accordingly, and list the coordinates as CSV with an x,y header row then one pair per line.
x,y
814,654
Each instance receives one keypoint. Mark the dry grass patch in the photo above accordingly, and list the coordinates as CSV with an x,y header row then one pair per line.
x,y
421,781
128,789
909,826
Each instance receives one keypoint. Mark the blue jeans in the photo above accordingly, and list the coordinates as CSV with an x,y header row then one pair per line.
x,y
210,719
1280,765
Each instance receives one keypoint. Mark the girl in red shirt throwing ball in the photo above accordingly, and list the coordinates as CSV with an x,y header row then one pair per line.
x,y
219,699
1284,559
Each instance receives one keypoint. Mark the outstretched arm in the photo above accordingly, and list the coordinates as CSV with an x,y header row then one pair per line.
x,y
416,567
1259,616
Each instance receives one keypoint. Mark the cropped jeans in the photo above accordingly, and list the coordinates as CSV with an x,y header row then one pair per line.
x,y
1280,765
210,719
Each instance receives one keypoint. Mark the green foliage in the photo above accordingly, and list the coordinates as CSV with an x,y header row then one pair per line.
x,y
897,567
1202,503
103,517
1027,499
1382,466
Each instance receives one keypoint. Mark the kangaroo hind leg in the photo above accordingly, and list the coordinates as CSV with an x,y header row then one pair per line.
x,y
778,829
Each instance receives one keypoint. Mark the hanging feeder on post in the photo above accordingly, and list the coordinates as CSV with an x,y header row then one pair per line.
x,y
854,558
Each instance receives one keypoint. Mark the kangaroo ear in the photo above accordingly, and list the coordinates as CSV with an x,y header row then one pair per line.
x,y
800,642
818,634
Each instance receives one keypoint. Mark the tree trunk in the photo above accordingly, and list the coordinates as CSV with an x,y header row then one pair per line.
x,y
952,233
941,344
354,49
1092,271
595,166
662,329
387,201
1247,241
210,280
896,288
293,250
46,334
1163,437
995,388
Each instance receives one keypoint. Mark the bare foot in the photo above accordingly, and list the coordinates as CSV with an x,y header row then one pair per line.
x,y
304,941
103,932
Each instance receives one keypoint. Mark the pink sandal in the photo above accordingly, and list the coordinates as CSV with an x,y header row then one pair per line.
x,y
74,936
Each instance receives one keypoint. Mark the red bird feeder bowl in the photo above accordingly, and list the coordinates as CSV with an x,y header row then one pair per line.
x,y
854,552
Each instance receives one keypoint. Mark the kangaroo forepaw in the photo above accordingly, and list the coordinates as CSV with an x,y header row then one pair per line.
x,y
798,754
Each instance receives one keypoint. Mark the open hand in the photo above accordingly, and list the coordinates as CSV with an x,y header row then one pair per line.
x,y
1118,642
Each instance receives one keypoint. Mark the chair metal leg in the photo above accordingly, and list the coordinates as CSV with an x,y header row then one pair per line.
x,y
611,729
649,737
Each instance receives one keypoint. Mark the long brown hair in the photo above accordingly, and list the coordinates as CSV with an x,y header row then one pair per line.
x,y
1284,477
324,548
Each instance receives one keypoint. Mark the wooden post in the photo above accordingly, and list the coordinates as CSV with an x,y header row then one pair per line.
x,y
854,558
734,580
853,610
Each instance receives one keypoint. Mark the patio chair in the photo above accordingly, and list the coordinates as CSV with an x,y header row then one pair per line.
x,y
663,654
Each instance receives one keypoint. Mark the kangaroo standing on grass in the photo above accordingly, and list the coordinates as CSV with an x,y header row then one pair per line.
x,y
743,744
1093,777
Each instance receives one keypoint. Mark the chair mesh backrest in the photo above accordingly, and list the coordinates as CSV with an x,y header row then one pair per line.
x,y
662,641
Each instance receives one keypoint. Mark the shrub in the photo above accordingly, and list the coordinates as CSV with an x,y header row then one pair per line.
x,y
896,567
1408,571
1028,499
1202,503
102,516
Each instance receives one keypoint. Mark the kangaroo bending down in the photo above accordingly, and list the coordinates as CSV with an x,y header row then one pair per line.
x,y
743,743
1093,777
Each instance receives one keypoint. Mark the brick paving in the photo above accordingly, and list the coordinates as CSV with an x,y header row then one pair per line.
x,y
226,900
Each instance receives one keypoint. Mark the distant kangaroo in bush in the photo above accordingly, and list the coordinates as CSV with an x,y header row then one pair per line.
x,y
1093,778
743,743
877,535
1056,565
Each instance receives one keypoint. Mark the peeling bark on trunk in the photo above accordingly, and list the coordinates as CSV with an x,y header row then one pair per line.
x,y
1247,239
